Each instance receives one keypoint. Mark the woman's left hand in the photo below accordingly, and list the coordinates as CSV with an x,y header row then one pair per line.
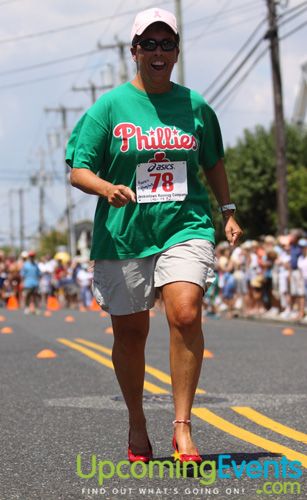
x,y
233,231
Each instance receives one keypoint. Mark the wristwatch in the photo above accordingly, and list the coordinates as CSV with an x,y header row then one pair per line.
x,y
226,208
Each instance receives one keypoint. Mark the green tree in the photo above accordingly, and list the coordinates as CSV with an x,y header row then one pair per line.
x,y
7,250
50,241
252,178
297,184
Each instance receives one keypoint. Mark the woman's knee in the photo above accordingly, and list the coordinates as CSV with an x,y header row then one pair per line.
x,y
186,316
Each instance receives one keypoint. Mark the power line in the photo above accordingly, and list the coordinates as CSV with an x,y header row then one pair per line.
x,y
218,14
236,70
36,80
242,79
119,30
64,74
225,12
293,31
64,111
290,18
220,29
8,2
245,60
233,59
64,28
272,35
67,58
92,88
60,60
49,63
91,22
191,4
71,26
293,9
63,59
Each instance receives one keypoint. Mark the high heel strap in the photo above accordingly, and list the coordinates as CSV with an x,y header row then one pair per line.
x,y
181,422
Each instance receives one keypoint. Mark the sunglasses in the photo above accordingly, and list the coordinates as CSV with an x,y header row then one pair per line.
x,y
149,44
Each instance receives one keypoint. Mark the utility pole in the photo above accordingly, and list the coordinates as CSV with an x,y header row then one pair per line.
x,y
40,180
92,88
180,66
69,205
21,219
11,218
281,165
123,71
300,106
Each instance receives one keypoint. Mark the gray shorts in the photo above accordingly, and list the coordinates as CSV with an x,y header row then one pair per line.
x,y
297,286
128,286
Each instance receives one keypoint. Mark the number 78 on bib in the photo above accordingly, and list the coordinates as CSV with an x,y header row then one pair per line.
x,y
160,182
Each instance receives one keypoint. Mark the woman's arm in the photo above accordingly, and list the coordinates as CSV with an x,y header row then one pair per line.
x,y
218,182
217,179
88,182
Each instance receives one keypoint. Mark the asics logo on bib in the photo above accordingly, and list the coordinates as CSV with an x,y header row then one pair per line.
x,y
158,138
170,166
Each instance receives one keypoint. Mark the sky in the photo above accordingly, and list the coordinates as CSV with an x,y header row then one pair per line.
x,y
65,34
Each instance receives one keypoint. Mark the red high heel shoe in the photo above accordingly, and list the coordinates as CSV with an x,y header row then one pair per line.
x,y
132,457
184,457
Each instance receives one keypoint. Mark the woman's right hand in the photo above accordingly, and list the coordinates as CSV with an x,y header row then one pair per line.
x,y
119,195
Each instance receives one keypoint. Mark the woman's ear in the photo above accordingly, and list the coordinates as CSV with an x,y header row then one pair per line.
x,y
133,53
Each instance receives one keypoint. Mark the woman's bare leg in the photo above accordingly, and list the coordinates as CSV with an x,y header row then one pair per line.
x,y
183,305
128,356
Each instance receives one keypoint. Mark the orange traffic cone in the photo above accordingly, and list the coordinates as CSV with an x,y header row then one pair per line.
x,y
288,331
12,303
94,305
109,330
208,354
46,353
70,319
52,303
6,329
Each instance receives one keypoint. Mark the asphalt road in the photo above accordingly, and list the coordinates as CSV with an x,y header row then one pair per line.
x,y
65,412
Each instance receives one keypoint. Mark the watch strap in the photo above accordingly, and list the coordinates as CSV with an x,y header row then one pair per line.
x,y
228,206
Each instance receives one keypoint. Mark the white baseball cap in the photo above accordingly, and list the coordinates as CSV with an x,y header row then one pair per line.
x,y
155,15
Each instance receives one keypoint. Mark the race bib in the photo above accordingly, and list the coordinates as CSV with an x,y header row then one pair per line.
x,y
164,181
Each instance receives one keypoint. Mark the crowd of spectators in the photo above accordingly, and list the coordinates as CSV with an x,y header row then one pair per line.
x,y
32,281
264,278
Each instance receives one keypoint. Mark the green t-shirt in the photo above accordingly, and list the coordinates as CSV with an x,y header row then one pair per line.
x,y
127,127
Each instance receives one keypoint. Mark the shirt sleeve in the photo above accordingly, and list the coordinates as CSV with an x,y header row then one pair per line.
x,y
211,147
86,146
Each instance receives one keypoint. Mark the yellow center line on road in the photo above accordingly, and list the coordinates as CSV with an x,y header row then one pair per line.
x,y
234,430
148,386
267,422
155,372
